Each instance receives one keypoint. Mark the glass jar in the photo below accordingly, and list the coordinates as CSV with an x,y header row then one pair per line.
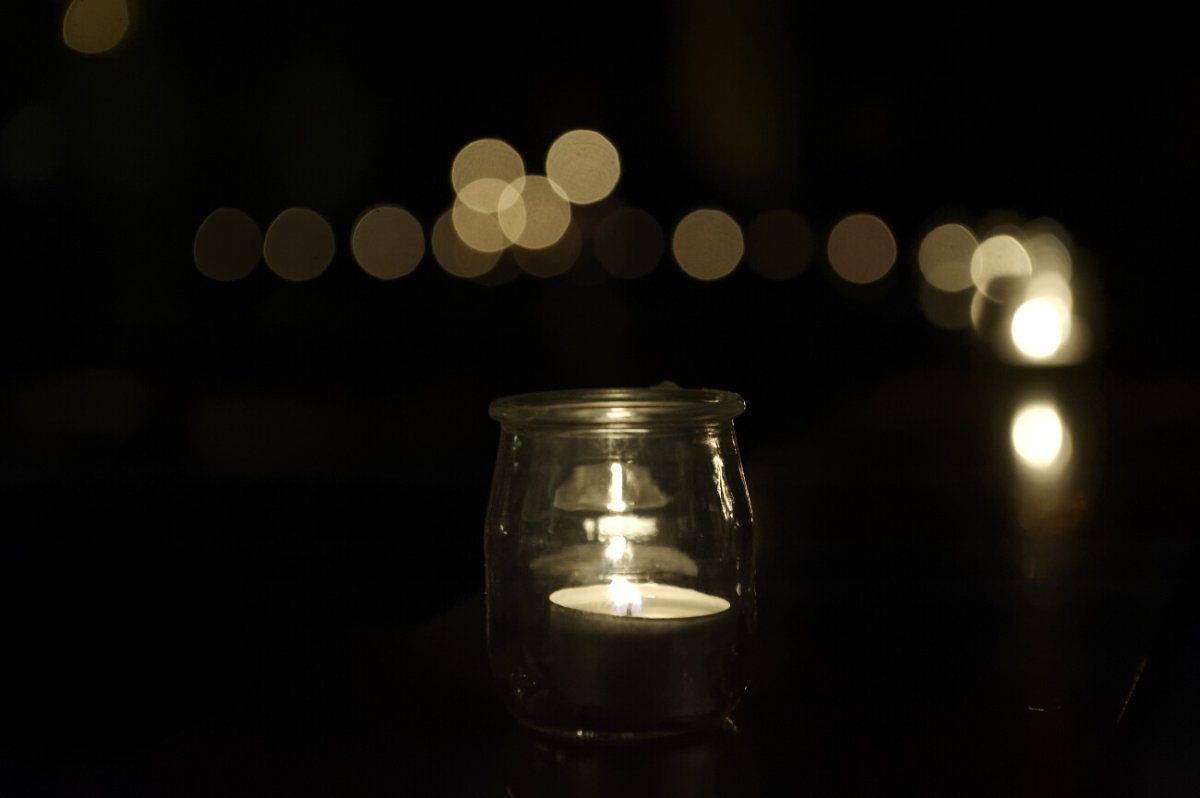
x,y
620,572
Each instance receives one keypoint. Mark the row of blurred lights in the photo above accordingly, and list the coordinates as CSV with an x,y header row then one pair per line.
x,y
499,208
1016,277
1015,280
388,242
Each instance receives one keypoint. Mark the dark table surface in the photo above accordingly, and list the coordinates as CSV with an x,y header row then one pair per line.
x,y
925,626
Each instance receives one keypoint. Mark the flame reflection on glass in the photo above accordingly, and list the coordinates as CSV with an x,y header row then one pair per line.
x,y
616,489
616,549
630,527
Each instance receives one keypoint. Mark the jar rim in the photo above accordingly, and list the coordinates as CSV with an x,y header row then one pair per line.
x,y
666,405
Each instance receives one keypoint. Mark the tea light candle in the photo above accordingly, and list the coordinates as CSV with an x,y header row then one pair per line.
x,y
632,654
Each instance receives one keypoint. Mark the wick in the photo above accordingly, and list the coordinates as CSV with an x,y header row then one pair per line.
x,y
629,612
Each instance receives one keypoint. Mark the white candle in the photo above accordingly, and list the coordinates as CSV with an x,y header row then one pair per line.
x,y
647,600
627,654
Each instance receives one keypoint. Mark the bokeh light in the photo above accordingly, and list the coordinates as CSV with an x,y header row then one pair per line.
x,y
228,245
1040,327
983,310
1051,285
95,26
32,144
997,258
1040,439
629,243
861,248
945,257
553,260
533,213
387,242
299,244
455,256
483,195
779,244
585,165
478,229
707,244
481,172
1049,254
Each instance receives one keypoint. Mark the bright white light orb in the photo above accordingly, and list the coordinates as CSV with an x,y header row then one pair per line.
x,y
1040,327
1037,435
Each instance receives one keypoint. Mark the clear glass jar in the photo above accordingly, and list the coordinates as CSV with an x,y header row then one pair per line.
x,y
620,573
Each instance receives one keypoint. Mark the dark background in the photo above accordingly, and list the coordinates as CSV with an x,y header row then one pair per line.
x,y
217,497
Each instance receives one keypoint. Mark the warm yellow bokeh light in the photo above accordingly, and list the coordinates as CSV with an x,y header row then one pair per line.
x,y
861,248
629,243
228,245
533,212
998,257
1040,327
455,256
945,257
1050,285
387,242
483,195
779,244
299,244
1049,255
554,260
478,229
585,165
708,244
1039,437
92,27
482,170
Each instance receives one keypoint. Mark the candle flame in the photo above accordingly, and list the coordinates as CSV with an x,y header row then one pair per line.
x,y
625,597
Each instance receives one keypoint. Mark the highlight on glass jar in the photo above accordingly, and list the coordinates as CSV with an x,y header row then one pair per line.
x,y
620,574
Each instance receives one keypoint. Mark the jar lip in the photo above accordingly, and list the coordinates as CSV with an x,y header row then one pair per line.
x,y
666,405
